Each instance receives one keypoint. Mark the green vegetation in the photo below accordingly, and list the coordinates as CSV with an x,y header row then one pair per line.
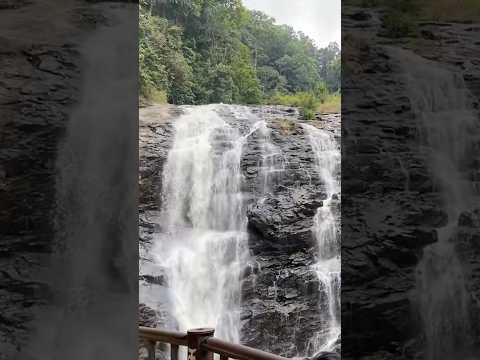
x,y
331,104
163,66
307,101
217,51
310,103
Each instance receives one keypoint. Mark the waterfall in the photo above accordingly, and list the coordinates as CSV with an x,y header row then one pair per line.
x,y
326,233
200,249
440,101
203,244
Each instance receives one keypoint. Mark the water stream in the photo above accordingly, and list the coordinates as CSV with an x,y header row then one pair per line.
x,y
327,235
440,101
203,244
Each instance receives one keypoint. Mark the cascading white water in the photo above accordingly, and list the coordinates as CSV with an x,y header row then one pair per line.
x,y
326,232
272,164
203,245
441,104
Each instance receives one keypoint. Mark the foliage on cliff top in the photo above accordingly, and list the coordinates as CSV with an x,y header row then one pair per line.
x,y
309,103
212,51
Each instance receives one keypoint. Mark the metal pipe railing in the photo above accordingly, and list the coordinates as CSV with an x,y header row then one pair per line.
x,y
201,345
164,336
236,351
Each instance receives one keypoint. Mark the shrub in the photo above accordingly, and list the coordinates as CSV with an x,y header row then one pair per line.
x,y
306,101
157,96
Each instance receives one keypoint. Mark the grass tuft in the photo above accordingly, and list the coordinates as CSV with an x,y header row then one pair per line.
x,y
331,104
154,96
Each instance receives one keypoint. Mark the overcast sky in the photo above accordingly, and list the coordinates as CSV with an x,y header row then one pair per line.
x,y
319,19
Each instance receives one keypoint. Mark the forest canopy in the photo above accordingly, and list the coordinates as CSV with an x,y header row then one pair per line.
x,y
218,51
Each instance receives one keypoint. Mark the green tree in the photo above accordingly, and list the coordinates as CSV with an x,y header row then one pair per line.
x,y
329,64
271,80
162,64
201,51
245,78
223,85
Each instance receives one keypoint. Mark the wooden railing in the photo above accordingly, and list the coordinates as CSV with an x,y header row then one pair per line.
x,y
201,345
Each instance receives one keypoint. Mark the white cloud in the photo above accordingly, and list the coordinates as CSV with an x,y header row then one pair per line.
x,y
319,19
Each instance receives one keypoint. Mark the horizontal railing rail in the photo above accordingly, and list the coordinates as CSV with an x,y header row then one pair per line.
x,y
235,351
163,336
201,345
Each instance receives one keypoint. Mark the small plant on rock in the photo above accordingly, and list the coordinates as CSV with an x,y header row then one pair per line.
x,y
286,126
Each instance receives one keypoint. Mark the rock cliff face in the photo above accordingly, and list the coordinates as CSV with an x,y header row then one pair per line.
x,y
280,291
391,204
281,296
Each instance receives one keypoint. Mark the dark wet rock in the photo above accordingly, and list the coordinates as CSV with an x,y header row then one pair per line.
x,y
284,221
156,134
146,316
156,280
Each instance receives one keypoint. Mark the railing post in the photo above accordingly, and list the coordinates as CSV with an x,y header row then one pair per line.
x,y
195,337
151,349
173,352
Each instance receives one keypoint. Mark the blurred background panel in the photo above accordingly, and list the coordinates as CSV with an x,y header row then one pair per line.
x,y
68,176
410,160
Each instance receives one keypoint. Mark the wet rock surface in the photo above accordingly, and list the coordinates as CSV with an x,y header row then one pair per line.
x,y
156,136
280,291
283,296
285,220
391,206
146,316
